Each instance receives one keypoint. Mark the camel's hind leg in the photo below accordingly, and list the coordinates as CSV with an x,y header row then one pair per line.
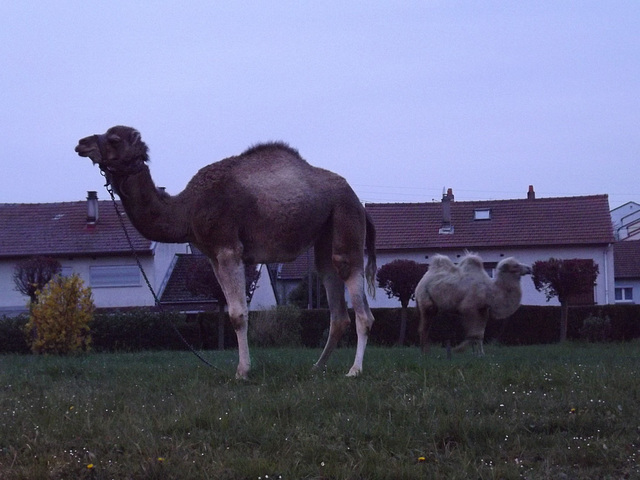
x,y
347,256
339,314
364,318
338,270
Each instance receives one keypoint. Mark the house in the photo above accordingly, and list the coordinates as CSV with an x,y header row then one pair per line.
x,y
289,275
87,238
176,296
626,258
529,229
626,221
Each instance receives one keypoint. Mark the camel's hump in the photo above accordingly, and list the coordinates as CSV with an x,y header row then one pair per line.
x,y
269,147
471,262
440,262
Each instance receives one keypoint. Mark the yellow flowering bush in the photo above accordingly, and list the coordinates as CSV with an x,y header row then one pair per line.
x,y
59,322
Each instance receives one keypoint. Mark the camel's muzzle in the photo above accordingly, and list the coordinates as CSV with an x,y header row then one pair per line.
x,y
89,147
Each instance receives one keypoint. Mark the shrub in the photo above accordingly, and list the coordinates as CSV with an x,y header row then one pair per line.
x,y
12,339
596,328
142,329
59,322
276,327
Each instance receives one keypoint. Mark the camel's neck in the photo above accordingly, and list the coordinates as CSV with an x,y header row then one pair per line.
x,y
506,297
155,214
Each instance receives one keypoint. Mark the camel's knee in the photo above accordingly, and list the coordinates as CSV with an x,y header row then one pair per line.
x,y
364,324
238,318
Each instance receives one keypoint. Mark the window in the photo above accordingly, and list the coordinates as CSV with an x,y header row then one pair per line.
x,y
66,272
482,214
115,276
624,294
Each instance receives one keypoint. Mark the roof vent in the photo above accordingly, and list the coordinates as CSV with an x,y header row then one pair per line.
x,y
447,226
531,194
92,208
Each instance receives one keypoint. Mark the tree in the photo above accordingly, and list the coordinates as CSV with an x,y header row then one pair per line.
x,y
59,321
32,274
564,279
399,279
201,281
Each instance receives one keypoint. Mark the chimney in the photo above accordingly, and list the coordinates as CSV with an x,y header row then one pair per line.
x,y
447,227
92,208
531,195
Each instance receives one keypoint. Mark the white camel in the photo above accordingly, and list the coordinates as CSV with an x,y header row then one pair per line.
x,y
467,290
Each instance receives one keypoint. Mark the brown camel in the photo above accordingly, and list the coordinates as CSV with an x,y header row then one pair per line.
x,y
468,291
265,205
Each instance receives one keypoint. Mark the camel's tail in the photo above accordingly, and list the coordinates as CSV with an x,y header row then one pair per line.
x,y
370,245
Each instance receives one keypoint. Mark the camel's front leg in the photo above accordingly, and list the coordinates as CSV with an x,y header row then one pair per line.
x,y
427,311
229,271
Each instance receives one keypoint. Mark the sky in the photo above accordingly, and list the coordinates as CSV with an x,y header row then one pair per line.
x,y
403,99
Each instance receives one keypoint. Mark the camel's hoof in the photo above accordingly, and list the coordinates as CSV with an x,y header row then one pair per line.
x,y
242,374
354,372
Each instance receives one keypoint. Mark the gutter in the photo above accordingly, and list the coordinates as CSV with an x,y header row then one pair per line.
x,y
606,274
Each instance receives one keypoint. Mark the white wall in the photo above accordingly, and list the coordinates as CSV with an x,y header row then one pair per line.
x,y
263,296
603,257
155,268
10,298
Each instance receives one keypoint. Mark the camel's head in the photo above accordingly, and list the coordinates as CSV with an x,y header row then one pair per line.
x,y
512,268
119,151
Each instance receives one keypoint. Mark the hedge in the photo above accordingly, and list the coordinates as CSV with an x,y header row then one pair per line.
x,y
146,329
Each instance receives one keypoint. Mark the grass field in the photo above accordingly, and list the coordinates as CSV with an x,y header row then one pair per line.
x,y
560,411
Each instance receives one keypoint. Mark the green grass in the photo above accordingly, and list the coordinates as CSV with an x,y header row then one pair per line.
x,y
567,411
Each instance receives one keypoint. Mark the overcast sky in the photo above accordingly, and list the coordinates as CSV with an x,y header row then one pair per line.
x,y
401,98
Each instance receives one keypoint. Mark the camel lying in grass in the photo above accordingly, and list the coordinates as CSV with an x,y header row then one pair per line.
x,y
467,290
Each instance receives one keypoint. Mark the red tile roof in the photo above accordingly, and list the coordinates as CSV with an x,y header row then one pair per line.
x,y
176,290
562,221
626,259
58,229
299,268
